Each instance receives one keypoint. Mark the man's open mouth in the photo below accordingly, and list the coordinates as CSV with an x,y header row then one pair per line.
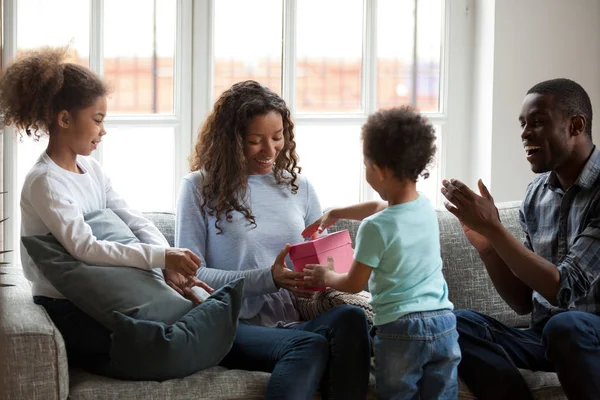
x,y
531,150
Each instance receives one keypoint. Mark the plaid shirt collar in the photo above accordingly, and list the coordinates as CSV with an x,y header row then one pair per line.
x,y
586,178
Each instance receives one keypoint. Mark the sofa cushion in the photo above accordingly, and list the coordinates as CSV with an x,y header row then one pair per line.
x,y
165,222
213,383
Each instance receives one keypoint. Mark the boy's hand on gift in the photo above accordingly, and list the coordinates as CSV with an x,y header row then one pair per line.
x,y
285,277
316,274
317,227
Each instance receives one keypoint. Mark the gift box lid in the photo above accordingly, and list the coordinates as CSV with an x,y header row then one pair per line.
x,y
320,245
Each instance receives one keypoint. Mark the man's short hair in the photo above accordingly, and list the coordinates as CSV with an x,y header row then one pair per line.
x,y
569,96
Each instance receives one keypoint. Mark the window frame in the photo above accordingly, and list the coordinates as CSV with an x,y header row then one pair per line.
x,y
180,119
193,90
454,86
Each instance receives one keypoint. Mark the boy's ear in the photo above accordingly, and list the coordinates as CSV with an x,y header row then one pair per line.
x,y
381,172
63,119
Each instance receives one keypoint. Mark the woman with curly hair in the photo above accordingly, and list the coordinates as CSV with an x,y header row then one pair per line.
x,y
43,94
243,202
398,253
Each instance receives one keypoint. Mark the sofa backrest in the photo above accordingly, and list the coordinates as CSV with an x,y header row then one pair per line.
x,y
165,222
469,285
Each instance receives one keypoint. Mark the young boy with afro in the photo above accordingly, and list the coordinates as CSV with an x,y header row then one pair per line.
x,y
398,253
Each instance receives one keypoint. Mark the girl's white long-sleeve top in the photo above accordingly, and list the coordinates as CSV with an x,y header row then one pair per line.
x,y
54,200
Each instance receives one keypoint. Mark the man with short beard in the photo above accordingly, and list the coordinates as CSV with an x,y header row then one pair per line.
x,y
554,274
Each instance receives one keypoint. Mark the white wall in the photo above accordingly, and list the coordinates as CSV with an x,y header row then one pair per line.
x,y
483,91
533,40
459,41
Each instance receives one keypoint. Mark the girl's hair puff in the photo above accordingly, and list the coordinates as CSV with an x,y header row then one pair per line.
x,y
40,83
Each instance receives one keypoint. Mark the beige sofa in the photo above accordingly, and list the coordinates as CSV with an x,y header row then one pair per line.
x,y
37,365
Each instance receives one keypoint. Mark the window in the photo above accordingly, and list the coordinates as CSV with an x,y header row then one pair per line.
x,y
333,72
168,68
139,62
148,67
247,43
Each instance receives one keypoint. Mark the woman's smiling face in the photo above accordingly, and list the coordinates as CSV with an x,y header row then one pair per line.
x,y
263,142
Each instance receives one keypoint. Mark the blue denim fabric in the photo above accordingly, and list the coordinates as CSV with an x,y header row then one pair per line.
x,y
492,352
330,352
87,341
416,357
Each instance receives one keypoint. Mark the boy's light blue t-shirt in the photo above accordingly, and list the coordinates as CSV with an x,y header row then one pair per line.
x,y
402,245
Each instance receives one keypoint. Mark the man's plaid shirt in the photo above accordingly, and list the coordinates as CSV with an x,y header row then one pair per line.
x,y
564,228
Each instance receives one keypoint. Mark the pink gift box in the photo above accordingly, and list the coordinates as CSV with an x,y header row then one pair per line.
x,y
337,245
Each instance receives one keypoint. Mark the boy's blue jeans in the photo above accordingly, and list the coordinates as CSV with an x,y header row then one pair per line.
x,y
416,357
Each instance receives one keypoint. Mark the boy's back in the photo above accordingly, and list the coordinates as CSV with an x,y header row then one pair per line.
x,y
402,245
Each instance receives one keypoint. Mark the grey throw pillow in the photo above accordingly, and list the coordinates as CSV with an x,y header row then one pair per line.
x,y
100,290
147,350
156,333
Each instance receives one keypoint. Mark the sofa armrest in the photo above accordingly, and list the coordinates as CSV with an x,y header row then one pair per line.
x,y
34,360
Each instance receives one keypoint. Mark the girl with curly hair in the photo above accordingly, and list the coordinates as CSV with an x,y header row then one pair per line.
x,y
243,202
398,253
42,94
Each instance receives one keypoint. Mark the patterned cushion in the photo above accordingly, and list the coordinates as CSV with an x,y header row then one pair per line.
x,y
308,308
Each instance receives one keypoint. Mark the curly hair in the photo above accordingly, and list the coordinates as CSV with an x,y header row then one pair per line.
x,y
219,150
39,84
400,139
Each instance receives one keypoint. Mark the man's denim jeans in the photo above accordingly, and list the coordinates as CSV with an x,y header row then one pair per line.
x,y
569,344
416,357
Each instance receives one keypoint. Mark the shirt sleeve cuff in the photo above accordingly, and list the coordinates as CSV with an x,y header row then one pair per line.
x,y
270,285
572,285
157,257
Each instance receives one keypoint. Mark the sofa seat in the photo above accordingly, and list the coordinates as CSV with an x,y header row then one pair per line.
x,y
212,383
543,386
221,383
